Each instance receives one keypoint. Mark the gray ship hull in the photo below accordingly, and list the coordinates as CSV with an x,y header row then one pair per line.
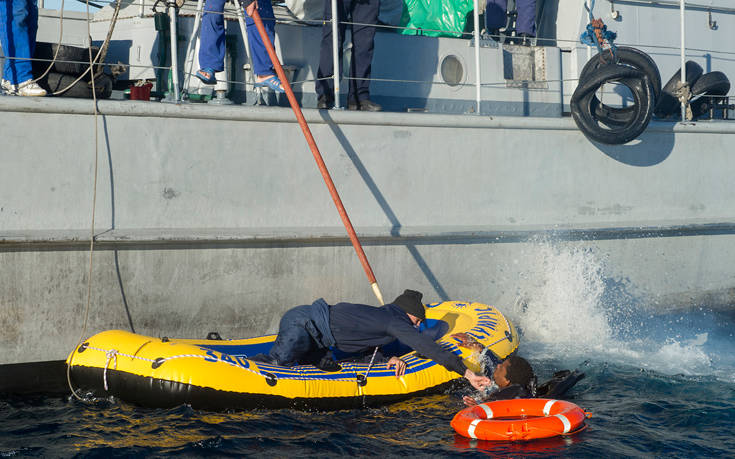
x,y
217,219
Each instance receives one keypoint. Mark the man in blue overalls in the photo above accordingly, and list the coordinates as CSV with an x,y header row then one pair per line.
x,y
306,334
18,26
496,14
363,13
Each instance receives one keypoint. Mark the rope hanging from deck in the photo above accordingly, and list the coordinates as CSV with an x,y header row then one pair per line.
x,y
596,33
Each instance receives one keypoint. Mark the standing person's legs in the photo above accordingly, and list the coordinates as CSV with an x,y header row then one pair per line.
x,y
6,37
325,84
262,64
495,14
16,24
363,45
212,36
526,21
32,25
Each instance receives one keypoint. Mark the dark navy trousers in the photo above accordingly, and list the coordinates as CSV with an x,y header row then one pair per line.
x,y
212,37
495,15
303,336
18,27
363,41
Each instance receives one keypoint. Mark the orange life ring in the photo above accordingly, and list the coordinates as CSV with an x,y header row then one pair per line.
x,y
519,419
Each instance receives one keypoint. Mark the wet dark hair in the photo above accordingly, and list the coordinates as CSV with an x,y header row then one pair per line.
x,y
520,371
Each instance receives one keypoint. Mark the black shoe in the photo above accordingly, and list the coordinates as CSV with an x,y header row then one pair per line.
x,y
365,105
328,364
324,103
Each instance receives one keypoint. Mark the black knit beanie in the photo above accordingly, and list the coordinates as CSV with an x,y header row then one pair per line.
x,y
520,371
410,302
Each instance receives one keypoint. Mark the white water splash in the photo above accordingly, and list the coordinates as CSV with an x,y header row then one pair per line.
x,y
561,304
561,314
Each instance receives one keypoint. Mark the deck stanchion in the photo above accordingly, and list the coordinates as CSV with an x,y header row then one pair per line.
x,y
173,10
191,46
682,9
476,15
317,156
246,43
335,56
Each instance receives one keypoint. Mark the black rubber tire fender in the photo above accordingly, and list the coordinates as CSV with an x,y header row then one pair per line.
x,y
629,56
81,89
669,102
583,105
710,84
71,60
606,74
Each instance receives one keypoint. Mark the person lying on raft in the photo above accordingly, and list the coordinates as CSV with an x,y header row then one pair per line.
x,y
513,376
306,333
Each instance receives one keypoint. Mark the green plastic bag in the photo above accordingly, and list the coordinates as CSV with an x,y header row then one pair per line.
x,y
449,16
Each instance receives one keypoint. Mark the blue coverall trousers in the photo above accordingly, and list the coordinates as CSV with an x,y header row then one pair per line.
x,y
495,15
18,27
212,37
303,337
363,43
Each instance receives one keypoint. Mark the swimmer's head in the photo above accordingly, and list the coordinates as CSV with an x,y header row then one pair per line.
x,y
513,370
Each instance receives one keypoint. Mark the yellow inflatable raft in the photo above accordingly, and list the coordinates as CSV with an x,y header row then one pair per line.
x,y
217,375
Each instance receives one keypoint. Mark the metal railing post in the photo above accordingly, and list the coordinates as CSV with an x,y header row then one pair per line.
x,y
174,53
141,13
246,43
335,55
476,15
191,46
682,9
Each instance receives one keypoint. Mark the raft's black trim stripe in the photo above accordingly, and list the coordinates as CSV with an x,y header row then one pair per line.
x,y
160,393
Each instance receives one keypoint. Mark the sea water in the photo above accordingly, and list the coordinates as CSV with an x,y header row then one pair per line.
x,y
658,384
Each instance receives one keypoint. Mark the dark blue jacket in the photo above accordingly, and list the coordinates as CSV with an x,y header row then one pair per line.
x,y
359,328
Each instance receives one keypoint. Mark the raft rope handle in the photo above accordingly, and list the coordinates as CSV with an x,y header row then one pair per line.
x,y
159,361
111,355
370,365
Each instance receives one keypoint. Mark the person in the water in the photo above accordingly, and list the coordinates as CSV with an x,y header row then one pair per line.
x,y
306,334
514,376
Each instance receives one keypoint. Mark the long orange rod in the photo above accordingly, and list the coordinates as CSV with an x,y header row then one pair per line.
x,y
317,155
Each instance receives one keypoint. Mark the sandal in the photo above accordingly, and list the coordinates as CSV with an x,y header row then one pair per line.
x,y
206,75
273,83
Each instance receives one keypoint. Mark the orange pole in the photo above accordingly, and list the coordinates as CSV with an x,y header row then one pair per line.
x,y
317,155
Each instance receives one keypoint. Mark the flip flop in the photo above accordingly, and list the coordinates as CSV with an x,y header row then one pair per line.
x,y
273,83
206,75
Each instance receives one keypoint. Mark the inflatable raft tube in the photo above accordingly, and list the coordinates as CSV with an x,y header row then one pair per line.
x,y
217,374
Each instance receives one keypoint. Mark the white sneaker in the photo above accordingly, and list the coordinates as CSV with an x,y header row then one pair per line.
x,y
30,88
7,87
